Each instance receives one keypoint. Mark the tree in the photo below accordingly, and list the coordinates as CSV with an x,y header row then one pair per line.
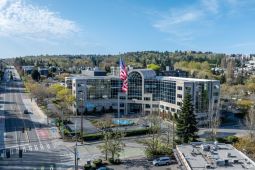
x,y
186,124
250,122
35,75
116,145
154,67
222,79
112,140
230,71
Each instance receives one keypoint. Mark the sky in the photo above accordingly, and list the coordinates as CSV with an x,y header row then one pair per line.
x,y
35,27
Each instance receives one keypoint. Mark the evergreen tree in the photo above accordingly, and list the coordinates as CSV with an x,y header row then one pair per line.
x,y
186,124
35,75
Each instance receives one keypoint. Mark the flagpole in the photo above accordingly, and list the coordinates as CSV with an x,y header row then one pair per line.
x,y
119,106
126,103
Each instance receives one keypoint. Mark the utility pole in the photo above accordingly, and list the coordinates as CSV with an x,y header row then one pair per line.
x,y
81,135
75,148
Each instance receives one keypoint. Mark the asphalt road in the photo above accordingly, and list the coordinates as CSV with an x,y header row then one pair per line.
x,y
20,132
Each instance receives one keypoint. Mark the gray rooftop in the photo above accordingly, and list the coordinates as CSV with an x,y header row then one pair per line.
x,y
197,157
182,79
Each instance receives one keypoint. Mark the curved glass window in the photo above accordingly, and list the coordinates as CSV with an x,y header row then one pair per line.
x,y
134,86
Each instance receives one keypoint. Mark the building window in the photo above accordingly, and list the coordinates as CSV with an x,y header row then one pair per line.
x,y
179,96
121,104
179,87
122,97
147,106
215,101
216,94
147,98
173,110
155,106
161,107
167,108
179,103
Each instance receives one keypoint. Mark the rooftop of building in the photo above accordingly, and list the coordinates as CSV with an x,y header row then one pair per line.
x,y
218,156
85,77
182,79
147,74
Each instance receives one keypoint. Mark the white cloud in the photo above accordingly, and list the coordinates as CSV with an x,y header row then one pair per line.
x,y
184,23
211,5
177,19
17,18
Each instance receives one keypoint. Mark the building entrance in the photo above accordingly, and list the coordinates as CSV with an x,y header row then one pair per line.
x,y
135,108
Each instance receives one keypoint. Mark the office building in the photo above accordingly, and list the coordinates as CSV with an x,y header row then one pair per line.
x,y
146,93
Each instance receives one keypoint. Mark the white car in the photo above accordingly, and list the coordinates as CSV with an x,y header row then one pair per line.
x,y
162,161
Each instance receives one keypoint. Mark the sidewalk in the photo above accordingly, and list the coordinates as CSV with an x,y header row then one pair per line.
x,y
39,116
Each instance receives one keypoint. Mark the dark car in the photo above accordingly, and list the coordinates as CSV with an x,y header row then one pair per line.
x,y
26,111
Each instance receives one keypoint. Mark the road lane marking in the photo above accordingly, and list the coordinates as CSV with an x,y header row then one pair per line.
x,y
24,149
48,146
41,146
30,148
35,146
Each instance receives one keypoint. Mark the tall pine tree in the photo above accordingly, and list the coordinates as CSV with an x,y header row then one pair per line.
x,y
186,124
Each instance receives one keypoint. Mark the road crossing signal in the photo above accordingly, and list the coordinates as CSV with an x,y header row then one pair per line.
x,y
20,153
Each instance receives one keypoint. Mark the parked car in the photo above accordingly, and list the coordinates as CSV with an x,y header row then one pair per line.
x,y
26,111
162,161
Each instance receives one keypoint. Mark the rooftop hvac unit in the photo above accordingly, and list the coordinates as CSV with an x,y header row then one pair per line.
x,y
235,161
208,166
220,162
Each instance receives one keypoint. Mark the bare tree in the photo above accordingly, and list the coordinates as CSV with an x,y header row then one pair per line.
x,y
214,119
250,122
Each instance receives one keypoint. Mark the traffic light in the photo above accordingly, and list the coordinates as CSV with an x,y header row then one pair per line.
x,y
8,153
20,153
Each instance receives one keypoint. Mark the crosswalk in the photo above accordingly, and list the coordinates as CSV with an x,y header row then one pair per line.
x,y
29,148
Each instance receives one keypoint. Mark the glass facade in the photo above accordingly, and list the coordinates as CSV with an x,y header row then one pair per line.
x,y
135,86
152,86
168,91
202,98
103,88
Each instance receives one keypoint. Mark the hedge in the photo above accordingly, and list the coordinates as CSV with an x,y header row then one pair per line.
x,y
98,136
137,132
90,137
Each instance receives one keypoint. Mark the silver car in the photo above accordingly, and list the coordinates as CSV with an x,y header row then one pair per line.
x,y
162,161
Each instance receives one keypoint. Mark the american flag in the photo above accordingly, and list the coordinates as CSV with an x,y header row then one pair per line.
x,y
123,76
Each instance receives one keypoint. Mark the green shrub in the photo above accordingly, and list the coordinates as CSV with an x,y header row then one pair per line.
x,y
98,162
66,132
87,167
115,162
95,136
231,139
221,140
111,160
137,132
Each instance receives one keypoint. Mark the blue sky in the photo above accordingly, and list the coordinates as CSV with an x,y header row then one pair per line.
x,y
34,27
